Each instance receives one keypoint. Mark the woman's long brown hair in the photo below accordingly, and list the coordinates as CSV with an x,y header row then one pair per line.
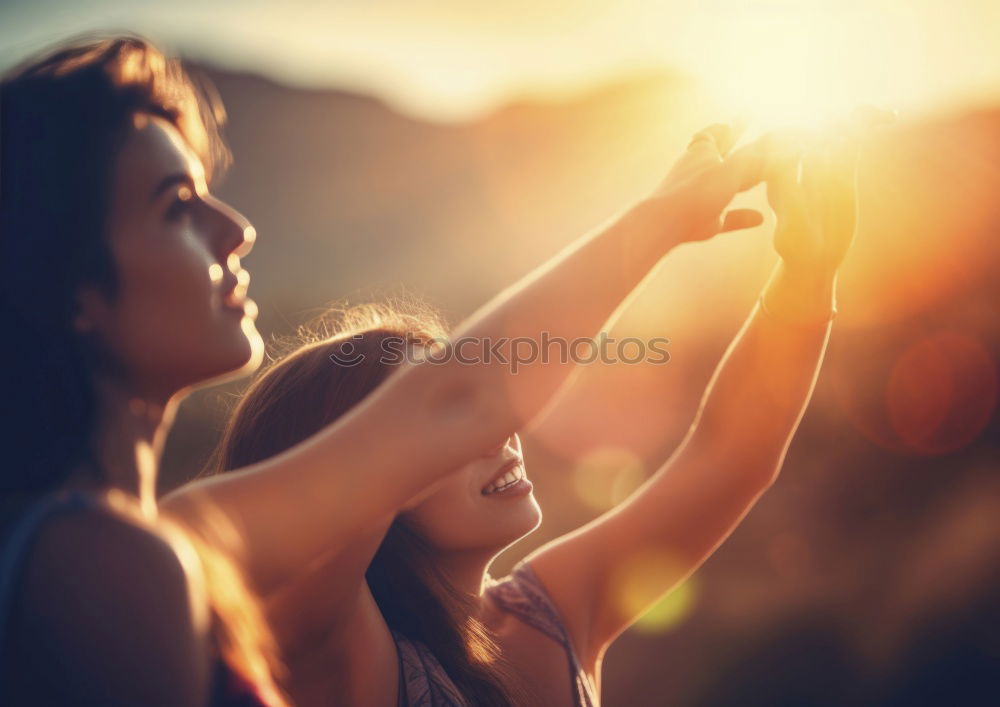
x,y
310,387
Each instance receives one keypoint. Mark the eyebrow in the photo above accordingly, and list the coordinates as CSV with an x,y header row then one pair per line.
x,y
169,181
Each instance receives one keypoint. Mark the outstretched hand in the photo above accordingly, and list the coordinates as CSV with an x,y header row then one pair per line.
x,y
705,179
814,195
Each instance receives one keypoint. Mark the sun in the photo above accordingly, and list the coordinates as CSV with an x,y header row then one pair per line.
x,y
802,70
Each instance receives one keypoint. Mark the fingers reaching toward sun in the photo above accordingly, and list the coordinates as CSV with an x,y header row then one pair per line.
x,y
815,198
737,219
713,170
719,137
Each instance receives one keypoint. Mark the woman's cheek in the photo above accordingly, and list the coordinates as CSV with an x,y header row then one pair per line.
x,y
170,283
185,276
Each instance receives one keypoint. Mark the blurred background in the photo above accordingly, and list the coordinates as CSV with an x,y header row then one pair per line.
x,y
439,150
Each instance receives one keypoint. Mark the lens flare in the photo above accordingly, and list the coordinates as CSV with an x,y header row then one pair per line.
x,y
644,590
607,476
799,65
941,393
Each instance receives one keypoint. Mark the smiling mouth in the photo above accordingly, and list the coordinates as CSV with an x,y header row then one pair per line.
x,y
509,475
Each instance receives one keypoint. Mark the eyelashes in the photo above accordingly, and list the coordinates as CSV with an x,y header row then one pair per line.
x,y
182,203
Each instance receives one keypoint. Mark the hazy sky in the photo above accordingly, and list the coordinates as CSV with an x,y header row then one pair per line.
x,y
455,58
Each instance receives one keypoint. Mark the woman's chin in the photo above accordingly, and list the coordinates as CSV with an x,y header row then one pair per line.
x,y
255,344
247,344
527,520
240,355
536,518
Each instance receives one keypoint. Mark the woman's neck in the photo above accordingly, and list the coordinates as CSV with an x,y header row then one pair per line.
x,y
128,443
466,571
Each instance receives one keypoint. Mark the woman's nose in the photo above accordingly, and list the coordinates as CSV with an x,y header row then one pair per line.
x,y
237,234
248,237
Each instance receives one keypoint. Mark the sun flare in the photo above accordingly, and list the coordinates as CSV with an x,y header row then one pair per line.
x,y
801,68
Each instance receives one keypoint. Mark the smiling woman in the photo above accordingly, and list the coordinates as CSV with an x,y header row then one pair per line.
x,y
298,396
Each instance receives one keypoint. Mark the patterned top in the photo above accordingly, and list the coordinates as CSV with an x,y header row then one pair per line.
x,y
228,688
423,682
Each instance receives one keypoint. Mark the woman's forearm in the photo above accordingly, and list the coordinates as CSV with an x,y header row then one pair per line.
x,y
763,384
574,296
680,515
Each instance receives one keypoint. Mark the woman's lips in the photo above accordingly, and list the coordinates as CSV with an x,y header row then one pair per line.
x,y
235,298
508,479
521,487
243,306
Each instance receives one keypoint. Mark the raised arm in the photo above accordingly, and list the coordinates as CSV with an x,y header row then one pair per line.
x,y
605,575
426,420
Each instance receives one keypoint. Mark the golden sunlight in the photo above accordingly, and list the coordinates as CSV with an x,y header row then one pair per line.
x,y
805,65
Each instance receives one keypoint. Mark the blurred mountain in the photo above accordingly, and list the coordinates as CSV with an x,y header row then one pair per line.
x,y
347,194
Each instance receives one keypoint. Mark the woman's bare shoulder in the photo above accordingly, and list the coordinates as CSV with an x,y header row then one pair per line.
x,y
119,601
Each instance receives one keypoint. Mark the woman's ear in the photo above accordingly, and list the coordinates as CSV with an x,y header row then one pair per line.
x,y
91,310
82,324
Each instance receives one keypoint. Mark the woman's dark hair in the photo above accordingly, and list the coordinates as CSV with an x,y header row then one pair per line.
x,y
310,387
63,119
